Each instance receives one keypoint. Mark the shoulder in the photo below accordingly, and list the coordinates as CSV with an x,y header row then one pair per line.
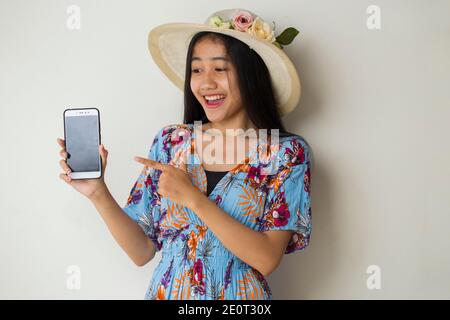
x,y
294,150
294,162
172,134
170,128
171,137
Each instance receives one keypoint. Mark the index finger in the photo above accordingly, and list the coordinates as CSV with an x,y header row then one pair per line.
x,y
154,164
61,142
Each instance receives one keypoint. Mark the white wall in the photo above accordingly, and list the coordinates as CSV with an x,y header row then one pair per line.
x,y
374,108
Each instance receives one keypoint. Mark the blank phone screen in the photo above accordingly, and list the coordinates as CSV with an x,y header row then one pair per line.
x,y
82,141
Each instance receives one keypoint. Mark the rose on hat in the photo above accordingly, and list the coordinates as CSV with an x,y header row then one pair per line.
x,y
245,21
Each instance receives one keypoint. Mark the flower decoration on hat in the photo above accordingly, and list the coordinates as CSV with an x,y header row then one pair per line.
x,y
244,21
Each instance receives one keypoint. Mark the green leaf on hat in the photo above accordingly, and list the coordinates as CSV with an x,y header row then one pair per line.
x,y
277,44
287,36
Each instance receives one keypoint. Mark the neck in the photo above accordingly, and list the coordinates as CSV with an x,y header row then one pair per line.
x,y
233,126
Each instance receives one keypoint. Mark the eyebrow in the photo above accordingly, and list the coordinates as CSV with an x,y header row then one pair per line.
x,y
213,58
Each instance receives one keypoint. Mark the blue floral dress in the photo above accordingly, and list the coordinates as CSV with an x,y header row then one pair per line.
x,y
194,263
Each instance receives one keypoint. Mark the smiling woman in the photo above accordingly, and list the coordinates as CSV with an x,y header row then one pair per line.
x,y
221,227
219,65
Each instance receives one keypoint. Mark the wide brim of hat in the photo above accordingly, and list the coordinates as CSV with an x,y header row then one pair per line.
x,y
168,45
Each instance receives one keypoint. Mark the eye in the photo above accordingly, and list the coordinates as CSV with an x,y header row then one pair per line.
x,y
194,70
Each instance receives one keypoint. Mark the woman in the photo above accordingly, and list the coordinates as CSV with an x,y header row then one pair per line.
x,y
222,226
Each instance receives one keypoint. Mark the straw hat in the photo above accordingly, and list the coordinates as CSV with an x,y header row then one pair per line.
x,y
168,45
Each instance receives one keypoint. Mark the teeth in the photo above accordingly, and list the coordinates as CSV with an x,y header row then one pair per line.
x,y
216,97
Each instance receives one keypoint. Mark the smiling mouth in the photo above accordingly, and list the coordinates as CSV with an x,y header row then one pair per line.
x,y
212,104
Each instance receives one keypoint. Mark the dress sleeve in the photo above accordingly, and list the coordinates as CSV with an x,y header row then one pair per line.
x,y
144,202
289,208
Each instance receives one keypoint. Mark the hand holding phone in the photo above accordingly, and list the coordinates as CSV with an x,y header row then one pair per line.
x,y
84,158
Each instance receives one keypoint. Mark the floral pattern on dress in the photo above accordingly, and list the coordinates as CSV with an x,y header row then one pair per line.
x,y
269,190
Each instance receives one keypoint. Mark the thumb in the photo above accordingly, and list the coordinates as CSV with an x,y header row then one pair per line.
x,y
183,163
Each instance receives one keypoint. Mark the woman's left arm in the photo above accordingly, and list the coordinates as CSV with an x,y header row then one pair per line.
x,y
261,250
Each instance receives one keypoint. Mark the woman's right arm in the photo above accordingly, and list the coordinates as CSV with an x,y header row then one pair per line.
x,y
128,234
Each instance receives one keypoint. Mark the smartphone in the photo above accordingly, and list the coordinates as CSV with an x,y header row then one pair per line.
x,y
82,137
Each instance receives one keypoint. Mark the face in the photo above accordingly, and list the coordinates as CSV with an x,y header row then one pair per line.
x,y
213,74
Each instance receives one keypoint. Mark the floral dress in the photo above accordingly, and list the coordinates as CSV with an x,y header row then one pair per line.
x,y
194,263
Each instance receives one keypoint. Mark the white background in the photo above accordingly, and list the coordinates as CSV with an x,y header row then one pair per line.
x,y
375,109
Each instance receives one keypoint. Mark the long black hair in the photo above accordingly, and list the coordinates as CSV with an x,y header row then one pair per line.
x,y
254,83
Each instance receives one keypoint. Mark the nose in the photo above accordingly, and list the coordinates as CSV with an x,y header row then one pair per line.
x,y
208,81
